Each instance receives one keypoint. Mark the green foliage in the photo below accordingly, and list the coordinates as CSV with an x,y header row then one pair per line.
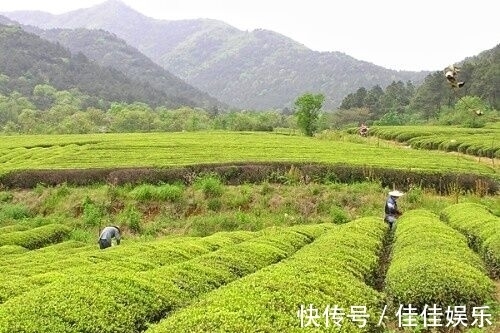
x,y
10,211
307,111
92,213
210,185
131,218
28,60
83,236
143,192
338,215
343,118
165,192
478,142
214,204
240,200
55,195
108,50
13,227
172,193
465,113
139,298
36,237
180,149
432,264
414,195
386,107
401,104
481,228
207,225
327,272
12,249
390,118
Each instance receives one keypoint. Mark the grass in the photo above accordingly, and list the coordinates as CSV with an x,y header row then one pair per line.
x,y
145,211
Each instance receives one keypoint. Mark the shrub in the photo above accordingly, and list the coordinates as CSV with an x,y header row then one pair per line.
x,y
214,204
82,236
12,249
13,227
72,258
338,215
482,229
14,212
6,196
210,185
92,213
36,237
414,195
432,264
131,218
167,192
333,270
85,302
277,172
144,192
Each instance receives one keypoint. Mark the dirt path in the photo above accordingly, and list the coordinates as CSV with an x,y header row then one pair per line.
x,y
384,260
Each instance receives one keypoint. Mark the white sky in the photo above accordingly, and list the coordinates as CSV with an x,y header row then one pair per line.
x,y
397,34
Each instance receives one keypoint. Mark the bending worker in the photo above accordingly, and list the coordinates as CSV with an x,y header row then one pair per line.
x,y
107,234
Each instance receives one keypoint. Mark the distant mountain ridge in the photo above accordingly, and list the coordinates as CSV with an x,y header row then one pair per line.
x,y
26,60
254,70
110,51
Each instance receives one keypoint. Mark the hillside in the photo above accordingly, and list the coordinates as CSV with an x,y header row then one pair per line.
x,y
481,74
110,51
27,60
256,70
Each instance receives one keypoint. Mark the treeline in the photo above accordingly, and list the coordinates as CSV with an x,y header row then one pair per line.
x,y
50,111
433,101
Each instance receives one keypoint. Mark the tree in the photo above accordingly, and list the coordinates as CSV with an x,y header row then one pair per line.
x,y
351,117
44,96
307,111
464,113
373,101
356,100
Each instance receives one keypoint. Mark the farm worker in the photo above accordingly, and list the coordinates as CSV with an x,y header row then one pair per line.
x,y
451,75
363,130
391,208
107,234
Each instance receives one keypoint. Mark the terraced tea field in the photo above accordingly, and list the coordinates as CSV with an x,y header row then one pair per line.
x,y
354,277
175,149
434,270
482,142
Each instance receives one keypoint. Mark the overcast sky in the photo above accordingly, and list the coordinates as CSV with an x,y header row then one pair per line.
x,y
396,34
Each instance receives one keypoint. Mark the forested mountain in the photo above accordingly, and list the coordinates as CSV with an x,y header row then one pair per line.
x,y
256,70
110,51
481,74
400,103
26,60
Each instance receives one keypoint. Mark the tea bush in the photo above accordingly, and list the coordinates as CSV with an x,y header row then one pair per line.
x,y
432,264
482,229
